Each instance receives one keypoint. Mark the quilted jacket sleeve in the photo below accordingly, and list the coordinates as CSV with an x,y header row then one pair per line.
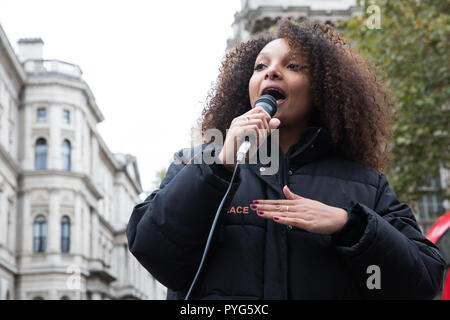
x,y
168,231
392,245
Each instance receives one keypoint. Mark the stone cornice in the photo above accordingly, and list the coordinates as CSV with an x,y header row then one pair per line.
x,y
105,223
84,177
7,264
4,42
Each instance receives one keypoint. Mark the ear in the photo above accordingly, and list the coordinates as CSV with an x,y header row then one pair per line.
x,y
290,195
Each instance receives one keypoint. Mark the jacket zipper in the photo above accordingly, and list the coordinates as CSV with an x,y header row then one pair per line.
x,y
286,160
285,179
285,170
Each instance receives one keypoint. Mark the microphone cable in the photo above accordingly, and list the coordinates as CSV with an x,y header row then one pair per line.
x,y
211,232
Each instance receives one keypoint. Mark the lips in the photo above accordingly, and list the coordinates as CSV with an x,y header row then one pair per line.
x,y
275,92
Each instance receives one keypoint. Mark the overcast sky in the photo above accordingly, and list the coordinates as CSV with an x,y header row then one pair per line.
x,y
149,64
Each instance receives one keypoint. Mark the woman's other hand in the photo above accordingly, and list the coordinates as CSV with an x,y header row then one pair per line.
x,y
256,123
310,215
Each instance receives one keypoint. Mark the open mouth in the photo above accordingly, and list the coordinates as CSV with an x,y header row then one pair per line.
x,y
277,93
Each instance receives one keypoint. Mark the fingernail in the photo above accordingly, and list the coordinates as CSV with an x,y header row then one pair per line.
x,y
259,212
255,201
276,218
253,206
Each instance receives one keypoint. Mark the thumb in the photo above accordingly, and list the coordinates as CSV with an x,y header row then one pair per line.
x,y
289,194
274,123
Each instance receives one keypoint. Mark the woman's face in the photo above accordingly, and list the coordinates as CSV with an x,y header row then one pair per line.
x,y
278,74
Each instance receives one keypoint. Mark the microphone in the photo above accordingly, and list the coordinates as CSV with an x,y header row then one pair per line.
x,y
269,104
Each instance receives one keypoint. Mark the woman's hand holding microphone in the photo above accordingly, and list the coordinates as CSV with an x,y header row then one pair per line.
x,y
257,123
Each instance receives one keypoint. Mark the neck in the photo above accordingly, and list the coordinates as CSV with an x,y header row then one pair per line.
x,y
290,135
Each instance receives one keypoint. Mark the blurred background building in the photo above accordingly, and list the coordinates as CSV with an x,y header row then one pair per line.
x,y
259,15
65,198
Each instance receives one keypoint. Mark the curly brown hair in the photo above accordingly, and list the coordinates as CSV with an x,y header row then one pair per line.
x,y
347,97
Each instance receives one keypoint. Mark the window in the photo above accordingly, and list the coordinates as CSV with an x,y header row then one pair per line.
x,y
430,204
65,298
66,116
39,234
38,298
65,234
40,159
66,155
41,115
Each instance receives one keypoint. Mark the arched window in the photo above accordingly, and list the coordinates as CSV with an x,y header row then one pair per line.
x,y
39,234
40,154
66,155
65,298
65,234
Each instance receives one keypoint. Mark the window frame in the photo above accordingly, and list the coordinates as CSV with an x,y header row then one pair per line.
x,y
40,237
38,118
66,155
66,112
40,153
430,204
65,234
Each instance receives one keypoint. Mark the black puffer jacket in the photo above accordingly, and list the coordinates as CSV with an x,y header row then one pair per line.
x,y
256,258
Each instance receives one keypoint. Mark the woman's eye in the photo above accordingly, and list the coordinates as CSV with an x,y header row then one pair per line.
x,y
259,66
294,66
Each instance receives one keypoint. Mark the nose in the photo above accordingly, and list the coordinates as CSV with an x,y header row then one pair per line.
x,y
273,73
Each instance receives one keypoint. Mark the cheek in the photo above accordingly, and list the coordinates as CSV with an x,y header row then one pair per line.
x,y
253,90
301,97
302,84
303,89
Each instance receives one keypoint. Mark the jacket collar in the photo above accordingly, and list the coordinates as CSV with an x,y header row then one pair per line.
x,y
314,143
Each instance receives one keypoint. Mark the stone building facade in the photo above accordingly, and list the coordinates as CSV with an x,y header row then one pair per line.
x,y
65,198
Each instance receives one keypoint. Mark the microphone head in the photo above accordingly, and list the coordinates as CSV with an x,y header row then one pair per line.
x,y
268,103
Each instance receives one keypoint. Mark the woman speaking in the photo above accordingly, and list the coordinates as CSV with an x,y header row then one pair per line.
x,y
326,224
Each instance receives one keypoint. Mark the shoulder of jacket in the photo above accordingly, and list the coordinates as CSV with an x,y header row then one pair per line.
x,y
354,170
186,155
